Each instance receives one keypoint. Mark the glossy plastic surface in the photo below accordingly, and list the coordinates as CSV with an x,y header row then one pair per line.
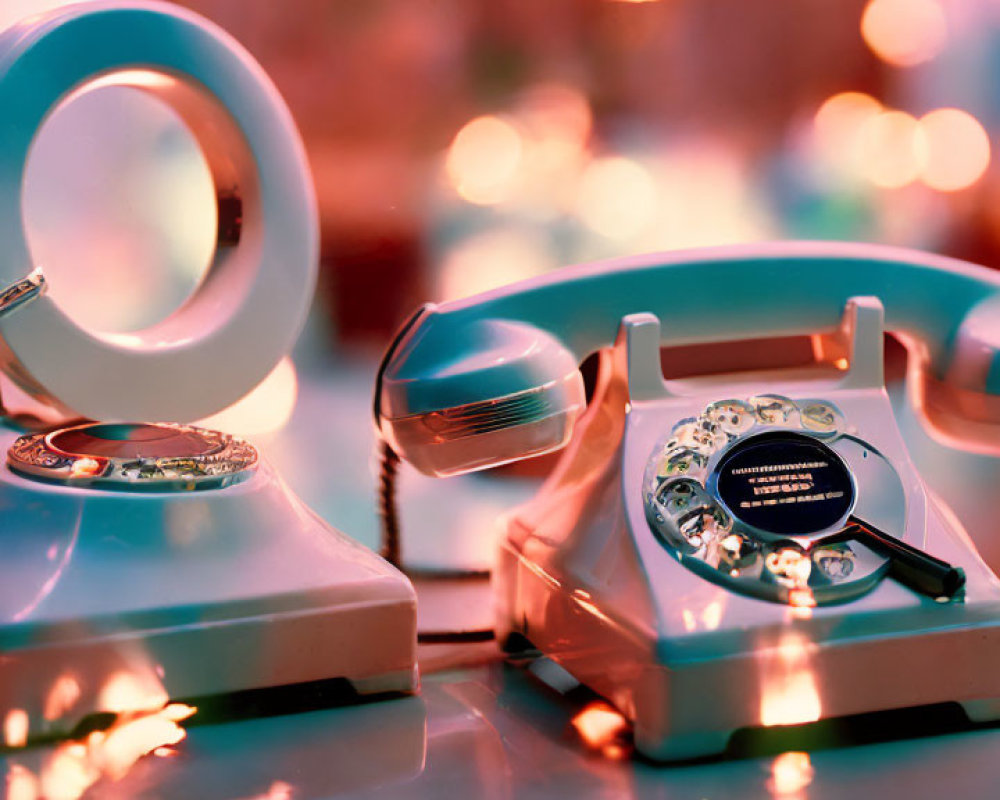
x,y
485,728
187,594
492,731
583,577
248,311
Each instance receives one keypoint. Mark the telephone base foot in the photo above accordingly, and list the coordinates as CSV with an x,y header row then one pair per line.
x,y
982,710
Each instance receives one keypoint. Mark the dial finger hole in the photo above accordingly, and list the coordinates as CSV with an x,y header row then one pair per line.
x,y
773,409
821,417
733,417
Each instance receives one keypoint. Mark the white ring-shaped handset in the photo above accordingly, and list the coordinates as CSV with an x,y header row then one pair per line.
x,y
250,307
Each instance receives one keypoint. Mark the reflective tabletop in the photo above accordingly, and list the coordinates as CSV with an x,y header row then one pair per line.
x,y
493,730
482,725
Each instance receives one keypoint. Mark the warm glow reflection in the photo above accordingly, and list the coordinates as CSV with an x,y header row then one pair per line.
x,y
278,790
267,408
789,566
893,149
958,149
73,767
143,78
22,784
690,623
600,726
67,774
483,160
491,259
801,597
904,32
617,197
789,695
127,692
790,774
61,697
712,615
15,728
123,744
85,467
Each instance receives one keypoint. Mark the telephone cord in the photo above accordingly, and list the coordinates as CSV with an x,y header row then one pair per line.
x,y
391,550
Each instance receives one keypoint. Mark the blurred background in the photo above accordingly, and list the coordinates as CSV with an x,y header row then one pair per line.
x,y
459,145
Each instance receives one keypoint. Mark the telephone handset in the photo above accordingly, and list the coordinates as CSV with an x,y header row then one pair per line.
x,y
506,361
696,535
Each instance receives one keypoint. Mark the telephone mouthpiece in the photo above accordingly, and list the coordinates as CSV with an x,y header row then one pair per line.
x,y
456,399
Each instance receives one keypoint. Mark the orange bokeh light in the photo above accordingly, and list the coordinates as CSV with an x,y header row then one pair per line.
x,y
958,149
838,128
618,197
789,694
904,32
893,149
483,160
15,728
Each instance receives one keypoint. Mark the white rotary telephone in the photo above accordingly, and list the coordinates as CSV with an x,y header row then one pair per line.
x,y
732,550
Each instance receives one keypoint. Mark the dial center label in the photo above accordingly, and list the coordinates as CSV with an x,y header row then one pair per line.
x,y
785,483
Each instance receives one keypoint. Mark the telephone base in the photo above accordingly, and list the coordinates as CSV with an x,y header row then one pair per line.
x,y
685,696
120,601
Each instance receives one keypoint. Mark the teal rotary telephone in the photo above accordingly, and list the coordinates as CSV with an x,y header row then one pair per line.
x,y
740,549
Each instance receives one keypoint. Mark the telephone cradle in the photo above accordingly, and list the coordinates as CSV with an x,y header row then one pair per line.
x,y
726,551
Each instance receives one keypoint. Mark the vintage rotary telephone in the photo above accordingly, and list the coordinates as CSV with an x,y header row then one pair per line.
x,y
733,550
141,562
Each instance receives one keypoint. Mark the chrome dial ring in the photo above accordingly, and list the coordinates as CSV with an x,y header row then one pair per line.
x,y
134,456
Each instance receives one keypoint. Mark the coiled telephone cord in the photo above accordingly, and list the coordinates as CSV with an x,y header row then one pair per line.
x,y
391,550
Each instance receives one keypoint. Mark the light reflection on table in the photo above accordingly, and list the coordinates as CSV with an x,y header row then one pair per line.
x,y
481,727
494,731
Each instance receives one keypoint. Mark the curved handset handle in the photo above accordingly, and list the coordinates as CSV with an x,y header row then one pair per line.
x,y
494,378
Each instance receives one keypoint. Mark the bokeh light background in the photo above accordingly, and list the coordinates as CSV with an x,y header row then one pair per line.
x,y
460,145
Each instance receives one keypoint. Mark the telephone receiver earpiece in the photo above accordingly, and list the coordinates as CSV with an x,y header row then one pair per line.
x,y
494,378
